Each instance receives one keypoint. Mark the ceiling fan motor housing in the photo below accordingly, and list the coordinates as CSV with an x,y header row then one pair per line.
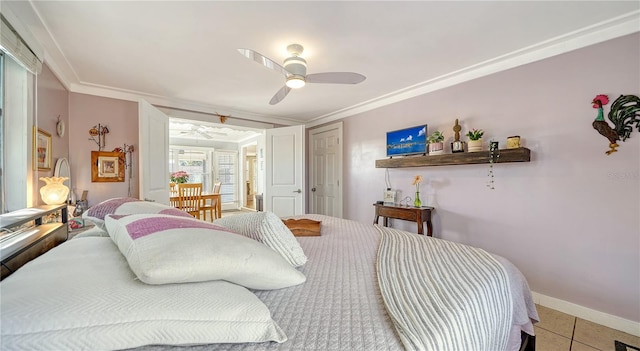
x,y
296,65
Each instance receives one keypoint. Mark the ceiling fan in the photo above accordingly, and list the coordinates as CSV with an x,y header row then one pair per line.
x,y
294,69
201,130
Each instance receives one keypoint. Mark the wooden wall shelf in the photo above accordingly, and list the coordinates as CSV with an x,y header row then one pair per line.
x,y
521,154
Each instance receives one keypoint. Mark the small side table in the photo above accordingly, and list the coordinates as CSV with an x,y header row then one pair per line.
x,y
414,214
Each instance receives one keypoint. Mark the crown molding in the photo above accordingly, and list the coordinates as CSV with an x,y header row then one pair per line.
x,y
594,34
157,100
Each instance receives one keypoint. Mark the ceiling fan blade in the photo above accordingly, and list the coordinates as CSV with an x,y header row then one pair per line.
x,y
280,95
263,60
335,78
204,134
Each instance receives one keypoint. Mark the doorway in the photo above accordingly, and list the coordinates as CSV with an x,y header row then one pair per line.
x,y
279,162
250,166
210,153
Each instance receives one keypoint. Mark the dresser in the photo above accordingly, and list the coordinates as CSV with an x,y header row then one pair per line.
x,y
30,232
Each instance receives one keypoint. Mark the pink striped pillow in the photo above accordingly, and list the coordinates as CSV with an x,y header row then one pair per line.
x,y
162,249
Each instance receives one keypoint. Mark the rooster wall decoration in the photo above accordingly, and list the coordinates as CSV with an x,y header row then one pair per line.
x,y
625,111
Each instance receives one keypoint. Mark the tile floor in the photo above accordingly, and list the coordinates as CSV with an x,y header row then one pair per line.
x,y
559,331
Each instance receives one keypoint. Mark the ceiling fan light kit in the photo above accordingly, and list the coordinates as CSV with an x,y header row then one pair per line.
x,y
295,82
294,69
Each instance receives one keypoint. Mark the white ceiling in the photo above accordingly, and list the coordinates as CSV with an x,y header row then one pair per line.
x,y
183,54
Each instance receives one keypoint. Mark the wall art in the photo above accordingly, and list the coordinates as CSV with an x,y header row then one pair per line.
x,y
107,166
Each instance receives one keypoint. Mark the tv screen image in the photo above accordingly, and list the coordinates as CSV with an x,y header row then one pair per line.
x,y
408,141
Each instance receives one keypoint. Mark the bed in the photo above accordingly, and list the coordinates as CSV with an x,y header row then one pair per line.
x,y
88,294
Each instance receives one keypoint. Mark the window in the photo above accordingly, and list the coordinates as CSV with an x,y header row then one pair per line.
x,y
19,66
227,174
17,115
2,200
196,162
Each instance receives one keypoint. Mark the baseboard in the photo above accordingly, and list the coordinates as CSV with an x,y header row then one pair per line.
x,y
594,316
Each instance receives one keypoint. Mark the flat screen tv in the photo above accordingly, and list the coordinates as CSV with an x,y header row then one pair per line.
x,y
408,141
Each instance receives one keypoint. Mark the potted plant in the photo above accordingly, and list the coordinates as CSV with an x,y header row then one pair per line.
x,y
436,145
494,154
179,177
475,140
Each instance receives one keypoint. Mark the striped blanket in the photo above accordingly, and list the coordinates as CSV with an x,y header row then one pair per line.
x,y
443,295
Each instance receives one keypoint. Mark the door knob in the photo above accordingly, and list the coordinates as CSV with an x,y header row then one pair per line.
x,y
313,189
298,191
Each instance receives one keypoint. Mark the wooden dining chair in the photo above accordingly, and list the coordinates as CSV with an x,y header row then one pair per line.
x,y
212,205
174,200
190,197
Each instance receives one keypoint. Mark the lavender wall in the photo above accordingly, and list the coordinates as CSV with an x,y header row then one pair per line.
x,y
52,101
569,219
121,117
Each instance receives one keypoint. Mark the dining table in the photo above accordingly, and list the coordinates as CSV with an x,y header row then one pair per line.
x,y
205,197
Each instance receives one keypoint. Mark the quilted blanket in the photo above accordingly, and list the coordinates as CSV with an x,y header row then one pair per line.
x,y
443,295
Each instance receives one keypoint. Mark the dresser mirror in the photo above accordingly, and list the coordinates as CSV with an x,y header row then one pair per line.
x,y
62,170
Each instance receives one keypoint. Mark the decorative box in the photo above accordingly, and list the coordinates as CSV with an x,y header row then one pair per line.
x,y
303,227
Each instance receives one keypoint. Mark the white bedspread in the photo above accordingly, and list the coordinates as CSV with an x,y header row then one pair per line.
x,y
340,306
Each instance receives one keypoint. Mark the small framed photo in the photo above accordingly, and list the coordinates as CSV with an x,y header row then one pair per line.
x,y
107,166
41,149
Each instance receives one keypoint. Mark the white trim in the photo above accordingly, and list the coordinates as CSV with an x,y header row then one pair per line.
x,y
211,119
594,316
161,101
597,33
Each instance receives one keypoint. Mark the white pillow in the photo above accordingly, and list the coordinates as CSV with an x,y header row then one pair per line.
x,y
268,229
165,249
81,295
125,206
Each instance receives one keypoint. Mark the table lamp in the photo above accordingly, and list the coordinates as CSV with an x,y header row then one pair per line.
x,y
54,192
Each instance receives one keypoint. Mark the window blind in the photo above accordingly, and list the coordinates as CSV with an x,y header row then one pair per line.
x,y
13,45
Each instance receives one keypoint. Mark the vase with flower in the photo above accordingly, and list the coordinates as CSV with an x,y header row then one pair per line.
x,y
179,177
416,181
475,140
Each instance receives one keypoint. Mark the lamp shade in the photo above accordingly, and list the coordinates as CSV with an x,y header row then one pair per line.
x,y
54,192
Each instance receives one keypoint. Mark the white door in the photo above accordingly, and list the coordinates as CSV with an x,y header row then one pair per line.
x,y
284,192
325,170
153,135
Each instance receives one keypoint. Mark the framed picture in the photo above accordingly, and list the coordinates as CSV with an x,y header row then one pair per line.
x,y
41,149
107,166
